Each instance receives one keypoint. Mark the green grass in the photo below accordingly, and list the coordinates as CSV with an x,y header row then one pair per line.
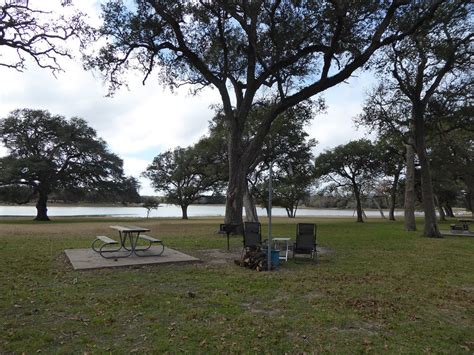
x,y
382,290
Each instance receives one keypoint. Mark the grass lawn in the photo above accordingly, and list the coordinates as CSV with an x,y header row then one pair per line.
x,y
382,290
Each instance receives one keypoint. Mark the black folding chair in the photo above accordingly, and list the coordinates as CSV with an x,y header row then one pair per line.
x,y
252,236
306,240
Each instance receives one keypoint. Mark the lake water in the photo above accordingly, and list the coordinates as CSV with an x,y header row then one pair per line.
x,y
171,211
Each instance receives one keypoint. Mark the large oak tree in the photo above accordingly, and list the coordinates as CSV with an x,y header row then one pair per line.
x,y
248,49
48,153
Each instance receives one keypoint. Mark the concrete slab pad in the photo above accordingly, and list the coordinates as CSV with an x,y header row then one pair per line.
x,y
456,233
86,259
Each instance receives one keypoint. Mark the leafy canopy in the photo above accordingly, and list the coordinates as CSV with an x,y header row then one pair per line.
x,y
287,50
184,174
48,152
348,164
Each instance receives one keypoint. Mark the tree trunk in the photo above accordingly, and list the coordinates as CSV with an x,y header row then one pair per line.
x,y
431,224
442,216
469,195
290,212
41,207
235,190
238,169
240,160
410,223
184,211
469,202
249,205
235,194
379,208
449,210
393,196
360,217
295,209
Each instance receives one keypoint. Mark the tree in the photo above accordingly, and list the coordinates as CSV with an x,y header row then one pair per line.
x,y
287,143
350,165
150,203
391,162
15,193
123,191
420,65
452,162
450,127
48,152
388,111
287,150
247,49
293,180
127,190
184,174
30,32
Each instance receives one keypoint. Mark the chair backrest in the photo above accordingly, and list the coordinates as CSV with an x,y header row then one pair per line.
x,y
252,234
305,236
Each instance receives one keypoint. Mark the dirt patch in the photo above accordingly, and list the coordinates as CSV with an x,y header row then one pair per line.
x,y
219,256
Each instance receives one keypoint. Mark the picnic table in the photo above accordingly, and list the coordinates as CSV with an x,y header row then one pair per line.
x,y
465,223
128,245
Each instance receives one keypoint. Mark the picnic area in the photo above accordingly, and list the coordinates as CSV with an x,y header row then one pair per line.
x,y
379,290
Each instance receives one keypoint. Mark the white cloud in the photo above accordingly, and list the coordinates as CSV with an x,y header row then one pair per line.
x,y
344,102
143,119
134,167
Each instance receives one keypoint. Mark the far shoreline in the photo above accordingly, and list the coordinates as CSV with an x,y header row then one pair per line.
x,y
134,211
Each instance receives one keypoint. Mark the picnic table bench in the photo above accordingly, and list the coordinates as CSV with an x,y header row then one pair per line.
x,y
108,247
464,224
101,245
151,242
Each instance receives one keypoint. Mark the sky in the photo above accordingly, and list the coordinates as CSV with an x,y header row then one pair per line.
x,y
142,121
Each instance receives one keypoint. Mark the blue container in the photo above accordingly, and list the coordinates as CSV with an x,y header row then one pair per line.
x,y
275,257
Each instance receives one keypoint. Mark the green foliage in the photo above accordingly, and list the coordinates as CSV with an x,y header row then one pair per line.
x,y
354,166
263,44
287,146
150,203
345,164
16,193
452,160
48,153
183,174
289,151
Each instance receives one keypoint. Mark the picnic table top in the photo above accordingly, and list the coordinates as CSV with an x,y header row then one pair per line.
x,y
130,229
471,220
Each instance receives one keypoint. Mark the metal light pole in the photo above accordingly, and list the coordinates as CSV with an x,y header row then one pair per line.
x,y
270,195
